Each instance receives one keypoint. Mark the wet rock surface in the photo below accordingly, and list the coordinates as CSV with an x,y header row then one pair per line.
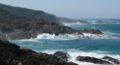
x,y
12,54
106,60
92,31
116,61
62,55
91,59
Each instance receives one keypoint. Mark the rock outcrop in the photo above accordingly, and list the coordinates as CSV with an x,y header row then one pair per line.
x,y
11,54
92,31
91,59
26,30
62,55
116,61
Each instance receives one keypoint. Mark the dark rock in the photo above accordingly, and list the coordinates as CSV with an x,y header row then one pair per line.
x,y
91,59
111,59
28,50
62,55
92,31
11,54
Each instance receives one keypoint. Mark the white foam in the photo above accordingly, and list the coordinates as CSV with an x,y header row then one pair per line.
x,y
106,35
59,37
69,36
75,53
97,36
91,54
46,36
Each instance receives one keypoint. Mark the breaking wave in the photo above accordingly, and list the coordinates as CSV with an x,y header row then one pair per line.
x,y
106,35
68,36
75,53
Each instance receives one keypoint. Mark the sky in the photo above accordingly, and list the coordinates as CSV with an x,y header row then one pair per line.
x,y
72,8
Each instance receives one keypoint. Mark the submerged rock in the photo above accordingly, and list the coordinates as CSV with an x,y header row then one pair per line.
x,y
91,59
62,55
116,61
11,54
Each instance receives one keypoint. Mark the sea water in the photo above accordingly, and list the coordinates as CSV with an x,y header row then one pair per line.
x,y
108,44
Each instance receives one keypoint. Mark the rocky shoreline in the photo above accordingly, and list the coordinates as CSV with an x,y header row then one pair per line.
x,y
12,54
20,34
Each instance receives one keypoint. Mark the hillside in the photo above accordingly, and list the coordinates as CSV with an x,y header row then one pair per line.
x,y
28,13
22,23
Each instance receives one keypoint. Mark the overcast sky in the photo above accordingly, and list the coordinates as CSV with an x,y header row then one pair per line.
x,y
72,8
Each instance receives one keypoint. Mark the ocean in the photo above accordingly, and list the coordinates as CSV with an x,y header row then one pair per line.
x,y
108,44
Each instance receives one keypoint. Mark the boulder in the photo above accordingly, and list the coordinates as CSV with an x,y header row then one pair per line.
x,y
116,61
91,59
62,55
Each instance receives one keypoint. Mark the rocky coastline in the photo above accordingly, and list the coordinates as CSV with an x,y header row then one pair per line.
x,y
12,54
26,29
23,23
20,23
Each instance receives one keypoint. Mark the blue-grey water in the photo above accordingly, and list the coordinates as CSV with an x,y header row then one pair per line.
x,y
83,46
